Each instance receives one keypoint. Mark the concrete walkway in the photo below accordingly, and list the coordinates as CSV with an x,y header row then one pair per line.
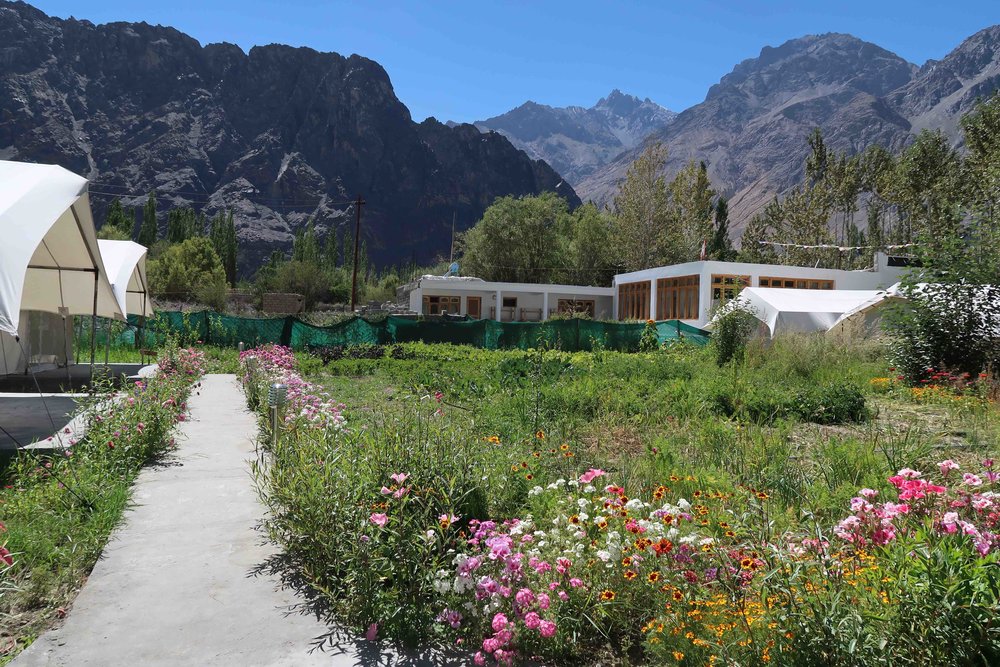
x,y
185,580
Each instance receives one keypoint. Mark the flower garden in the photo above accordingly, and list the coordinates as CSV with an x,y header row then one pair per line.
x,y
58,510
796,507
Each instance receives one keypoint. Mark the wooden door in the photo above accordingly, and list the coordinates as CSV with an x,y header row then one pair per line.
x,y
473,307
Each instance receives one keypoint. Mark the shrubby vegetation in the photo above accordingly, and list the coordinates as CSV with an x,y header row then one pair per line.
x,y
650,507
57,511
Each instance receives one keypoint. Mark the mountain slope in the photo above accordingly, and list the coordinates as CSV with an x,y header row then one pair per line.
x,y
751,128
577,141
281,134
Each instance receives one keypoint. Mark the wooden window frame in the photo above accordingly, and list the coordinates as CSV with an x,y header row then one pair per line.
x,y
633,300
796,283
727,286
678,298
432,304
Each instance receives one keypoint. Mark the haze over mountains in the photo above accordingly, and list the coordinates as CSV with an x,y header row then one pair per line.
x,y
576,141
286,134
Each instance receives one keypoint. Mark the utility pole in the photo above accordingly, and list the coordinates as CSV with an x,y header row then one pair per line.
x,y
451,255
358,203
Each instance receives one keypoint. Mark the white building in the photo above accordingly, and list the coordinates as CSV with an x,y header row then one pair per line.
x,y
690,292
504,302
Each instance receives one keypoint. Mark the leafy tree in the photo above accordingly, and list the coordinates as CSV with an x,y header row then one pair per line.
x,y
183,224
643,234
149,231
223,237
185,268
591,258
721,247
517,240
118,223
691,208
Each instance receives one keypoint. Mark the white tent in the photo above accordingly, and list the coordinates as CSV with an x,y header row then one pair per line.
x,y
867,316
49,257
797,310
125,262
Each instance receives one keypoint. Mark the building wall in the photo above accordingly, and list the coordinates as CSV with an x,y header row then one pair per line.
x,y
843,280
532,301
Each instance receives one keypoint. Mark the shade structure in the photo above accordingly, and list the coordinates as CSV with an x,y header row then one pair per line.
x,y
797,310
49,256
866,316
125,262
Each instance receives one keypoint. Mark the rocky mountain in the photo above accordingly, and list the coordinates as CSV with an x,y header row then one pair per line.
x,y
751,129
281,134
577,141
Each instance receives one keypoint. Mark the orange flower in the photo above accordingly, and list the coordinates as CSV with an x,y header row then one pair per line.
x,y
494,440
607,595
540,435
677,595
564,447
746,563
627,561
653,577
630,574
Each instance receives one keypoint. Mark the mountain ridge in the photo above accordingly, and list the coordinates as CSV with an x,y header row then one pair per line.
x,y
751,128
281,134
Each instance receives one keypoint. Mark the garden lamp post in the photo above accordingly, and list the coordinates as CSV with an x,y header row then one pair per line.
x,y
277,394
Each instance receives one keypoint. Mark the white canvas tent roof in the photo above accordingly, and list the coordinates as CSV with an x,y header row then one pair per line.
x,y
798,310
862,310
49,257
125,262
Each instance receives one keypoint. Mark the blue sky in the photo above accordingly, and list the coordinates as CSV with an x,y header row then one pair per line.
x,y
470,60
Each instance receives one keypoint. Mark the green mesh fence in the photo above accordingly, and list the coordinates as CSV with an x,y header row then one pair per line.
x,y
570,335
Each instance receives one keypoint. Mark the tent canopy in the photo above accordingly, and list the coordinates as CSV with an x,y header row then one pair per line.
x,y
125,262
798,310
49,258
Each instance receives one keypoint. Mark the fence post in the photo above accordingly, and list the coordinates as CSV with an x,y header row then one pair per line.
x,y
286,331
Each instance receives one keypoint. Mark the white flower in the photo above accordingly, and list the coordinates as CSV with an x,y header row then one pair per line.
x,y
683,504
573,482
634,504
582,503
536,490
706,540
604,555
590,488
584,516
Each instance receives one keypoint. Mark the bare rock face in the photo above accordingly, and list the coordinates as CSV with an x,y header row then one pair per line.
x,y
282,135
751,129
577,141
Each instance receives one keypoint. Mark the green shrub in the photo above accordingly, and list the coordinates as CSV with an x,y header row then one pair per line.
x,y
732,332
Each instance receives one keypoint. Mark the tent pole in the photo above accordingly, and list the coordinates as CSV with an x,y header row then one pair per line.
x,y
93,332
107,343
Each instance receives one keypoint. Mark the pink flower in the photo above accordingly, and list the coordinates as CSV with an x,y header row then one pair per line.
x,y
400,492
868,493
525,597
947,465
5,556
591,475
385,491
379,519
532,620
971,480
563,595
950,522
563,565
543,601
398,477
479,658
547,628
499,623
575,582
372,632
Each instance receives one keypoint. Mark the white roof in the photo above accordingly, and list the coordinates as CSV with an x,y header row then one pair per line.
x,y
880,298
125,262
49,255
801,310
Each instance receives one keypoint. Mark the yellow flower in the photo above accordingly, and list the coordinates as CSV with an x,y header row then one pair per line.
x,y
540,435
678,656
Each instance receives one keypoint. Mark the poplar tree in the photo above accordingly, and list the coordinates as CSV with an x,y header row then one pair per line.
x,y
148,232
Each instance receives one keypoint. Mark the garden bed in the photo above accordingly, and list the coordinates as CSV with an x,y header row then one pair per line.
x,y
57,511
651,508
